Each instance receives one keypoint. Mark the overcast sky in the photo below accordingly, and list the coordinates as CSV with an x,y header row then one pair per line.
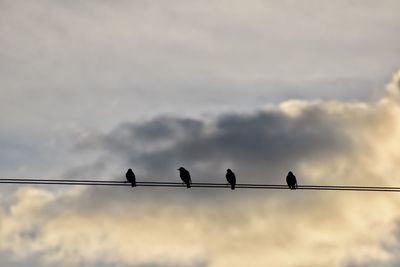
x,y
89,88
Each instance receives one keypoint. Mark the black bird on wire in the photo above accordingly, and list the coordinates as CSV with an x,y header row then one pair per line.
x,y
291,181
185,176
130,177
231,178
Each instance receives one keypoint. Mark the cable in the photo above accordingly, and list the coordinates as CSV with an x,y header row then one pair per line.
x,y
32,181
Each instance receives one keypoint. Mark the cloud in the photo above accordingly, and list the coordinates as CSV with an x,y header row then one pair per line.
x,y
325,142
261,146
69,68
137,59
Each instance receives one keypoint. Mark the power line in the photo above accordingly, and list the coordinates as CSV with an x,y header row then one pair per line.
x,y
110,183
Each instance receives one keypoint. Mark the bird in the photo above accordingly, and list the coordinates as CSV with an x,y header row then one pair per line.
x,y
185,176
231,178
130,177
291,181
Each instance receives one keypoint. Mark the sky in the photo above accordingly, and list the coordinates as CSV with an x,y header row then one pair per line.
x,y
91,88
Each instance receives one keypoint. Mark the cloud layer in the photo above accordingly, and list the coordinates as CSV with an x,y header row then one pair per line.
x,y
62,60
72,70
323,142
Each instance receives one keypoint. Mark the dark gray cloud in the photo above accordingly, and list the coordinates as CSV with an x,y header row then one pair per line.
x,y
261,146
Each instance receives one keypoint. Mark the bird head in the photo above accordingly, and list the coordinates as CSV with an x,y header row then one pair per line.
x,y
229,170
181,169
290,173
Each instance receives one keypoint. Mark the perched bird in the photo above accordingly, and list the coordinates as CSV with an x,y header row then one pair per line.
x,y
291,181
185,176
130,177
231,178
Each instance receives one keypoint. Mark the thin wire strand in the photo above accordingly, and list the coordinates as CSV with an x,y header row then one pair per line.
x,y
33,181
113,182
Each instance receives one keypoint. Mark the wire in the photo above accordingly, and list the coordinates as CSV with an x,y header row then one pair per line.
x,y
32,181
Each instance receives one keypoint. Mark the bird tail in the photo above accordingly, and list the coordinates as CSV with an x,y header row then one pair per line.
x,y
233,186
133,184
188,185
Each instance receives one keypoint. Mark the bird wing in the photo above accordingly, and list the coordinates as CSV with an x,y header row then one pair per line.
x,y
188,178
231,178
185,176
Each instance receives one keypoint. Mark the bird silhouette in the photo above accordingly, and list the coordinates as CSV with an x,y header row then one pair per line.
x,y
185,176
291,181
130,177
231,178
